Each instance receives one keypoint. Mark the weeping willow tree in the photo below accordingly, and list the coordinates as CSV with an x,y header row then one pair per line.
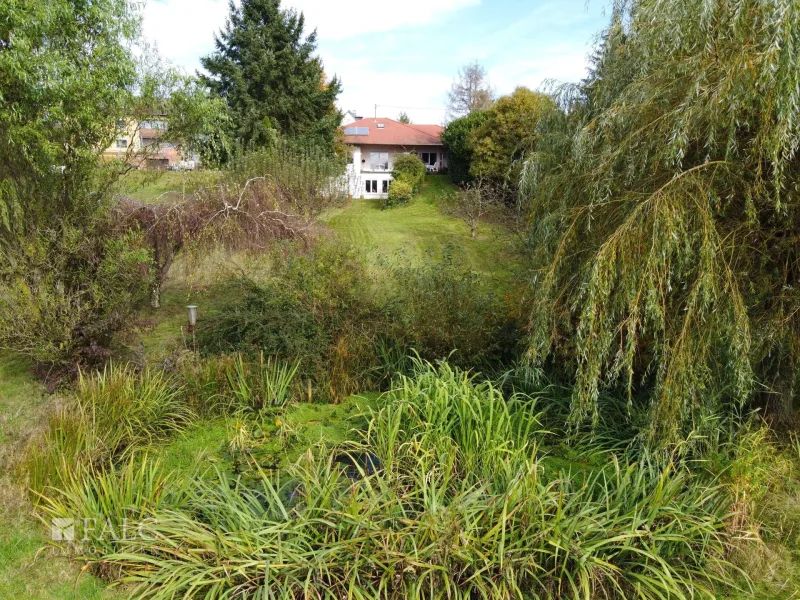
x,y
665,206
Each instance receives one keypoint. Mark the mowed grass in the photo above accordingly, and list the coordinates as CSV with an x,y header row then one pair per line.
x,y
25,572
421,231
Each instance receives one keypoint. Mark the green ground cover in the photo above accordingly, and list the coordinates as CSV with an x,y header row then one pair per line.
x,y
25,572
412,232
420,229
149,186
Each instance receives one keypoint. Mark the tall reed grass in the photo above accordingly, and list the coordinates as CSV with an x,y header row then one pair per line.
x,y
458,508
265,384
115,413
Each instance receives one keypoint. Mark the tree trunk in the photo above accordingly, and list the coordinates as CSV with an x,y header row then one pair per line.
x,y
163,257
155,294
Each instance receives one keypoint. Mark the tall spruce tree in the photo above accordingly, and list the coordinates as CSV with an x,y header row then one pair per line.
x,y
265,68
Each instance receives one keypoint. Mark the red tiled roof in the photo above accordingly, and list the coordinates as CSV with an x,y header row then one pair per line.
x,y
395,133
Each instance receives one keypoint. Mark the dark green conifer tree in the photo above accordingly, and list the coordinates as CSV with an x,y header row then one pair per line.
x,y
265,68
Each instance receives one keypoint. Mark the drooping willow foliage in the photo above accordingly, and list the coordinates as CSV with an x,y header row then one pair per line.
x,y
665,205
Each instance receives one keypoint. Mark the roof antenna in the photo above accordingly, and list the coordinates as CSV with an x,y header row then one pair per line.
x,y
376,111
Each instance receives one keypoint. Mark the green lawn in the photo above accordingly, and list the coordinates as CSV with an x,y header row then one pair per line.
x,y
24,571
149,186
420,229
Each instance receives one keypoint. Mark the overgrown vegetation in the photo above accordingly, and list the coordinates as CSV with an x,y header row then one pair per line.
x,y
589,436
319,306
429,475
268,195
663,202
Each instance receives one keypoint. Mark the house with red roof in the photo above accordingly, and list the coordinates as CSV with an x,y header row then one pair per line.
x,y
376,142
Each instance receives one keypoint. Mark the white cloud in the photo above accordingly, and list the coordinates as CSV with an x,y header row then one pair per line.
x,y
184,30
385,54
559,63
344,19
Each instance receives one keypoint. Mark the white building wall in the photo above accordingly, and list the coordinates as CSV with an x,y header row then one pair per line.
x,y
360,171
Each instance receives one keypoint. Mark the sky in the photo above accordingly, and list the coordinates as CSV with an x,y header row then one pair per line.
x,y
404,55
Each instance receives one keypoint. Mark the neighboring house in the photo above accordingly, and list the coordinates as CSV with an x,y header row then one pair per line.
x,y
349,116
376,142
139,143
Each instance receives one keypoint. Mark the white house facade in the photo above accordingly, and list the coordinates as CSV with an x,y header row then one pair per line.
x,y
375,144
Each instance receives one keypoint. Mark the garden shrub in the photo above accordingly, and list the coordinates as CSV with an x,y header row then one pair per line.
x,y
263,316
316,307
400,192
66,294
409,168
444,309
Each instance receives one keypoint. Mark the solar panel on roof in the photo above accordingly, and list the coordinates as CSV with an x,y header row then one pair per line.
x,y
356,130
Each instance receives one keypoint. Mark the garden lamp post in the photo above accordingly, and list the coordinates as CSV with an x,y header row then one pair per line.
x,y
192,317
192,324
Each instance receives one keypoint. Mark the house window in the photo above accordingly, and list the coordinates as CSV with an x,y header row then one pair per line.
x,y
372,186
121,143
379,161
385,186
154,125
429,158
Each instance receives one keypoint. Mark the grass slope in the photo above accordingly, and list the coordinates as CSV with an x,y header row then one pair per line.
x,y
420,229
149,186
24,572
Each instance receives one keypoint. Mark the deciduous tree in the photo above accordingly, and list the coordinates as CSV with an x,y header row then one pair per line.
x,y
506,137
458,140
666,214
470,91
473,204
65,79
